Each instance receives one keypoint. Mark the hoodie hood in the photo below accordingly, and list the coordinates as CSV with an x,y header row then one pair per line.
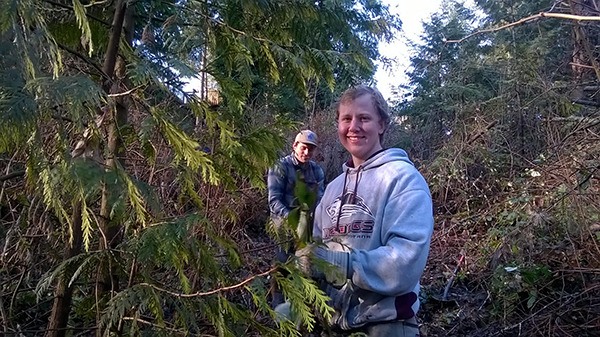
x,y
378,159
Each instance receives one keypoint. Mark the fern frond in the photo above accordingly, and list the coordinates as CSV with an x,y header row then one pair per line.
x,y
136,200
122,303
49,182
86,225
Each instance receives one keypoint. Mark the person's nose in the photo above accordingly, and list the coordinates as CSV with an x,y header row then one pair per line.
x,y
354,124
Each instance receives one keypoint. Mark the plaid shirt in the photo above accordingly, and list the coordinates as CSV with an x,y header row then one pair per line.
x,y
282,179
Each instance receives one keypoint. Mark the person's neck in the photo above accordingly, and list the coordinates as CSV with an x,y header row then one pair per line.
x,y
356,162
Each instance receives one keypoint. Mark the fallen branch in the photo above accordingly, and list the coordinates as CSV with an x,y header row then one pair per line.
x,y
12,175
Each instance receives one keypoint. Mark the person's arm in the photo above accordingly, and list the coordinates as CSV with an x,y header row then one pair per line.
x,y
320,175
396,267
276,184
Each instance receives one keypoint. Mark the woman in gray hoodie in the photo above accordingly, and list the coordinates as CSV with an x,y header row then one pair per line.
x,y
376,222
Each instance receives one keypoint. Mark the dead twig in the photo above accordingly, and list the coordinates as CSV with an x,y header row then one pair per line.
x,y
451,280
214,291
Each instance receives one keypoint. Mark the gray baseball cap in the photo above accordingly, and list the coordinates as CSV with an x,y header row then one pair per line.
x,y
307,137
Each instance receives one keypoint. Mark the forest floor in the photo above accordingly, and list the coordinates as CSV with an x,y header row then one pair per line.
x,y
456,299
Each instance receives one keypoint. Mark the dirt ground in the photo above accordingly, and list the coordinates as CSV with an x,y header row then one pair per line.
x,y
456,299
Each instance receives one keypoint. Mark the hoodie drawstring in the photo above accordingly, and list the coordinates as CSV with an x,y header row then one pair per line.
x,y
337,221
342,197
353,197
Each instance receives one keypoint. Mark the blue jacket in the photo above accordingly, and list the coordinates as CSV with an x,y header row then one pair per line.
x,y
282,180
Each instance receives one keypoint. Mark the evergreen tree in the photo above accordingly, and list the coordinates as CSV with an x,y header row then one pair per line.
x,y
140,184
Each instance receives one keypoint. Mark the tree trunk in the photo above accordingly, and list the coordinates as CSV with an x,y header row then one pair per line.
x,y
108,281
63,293
59,316
584,64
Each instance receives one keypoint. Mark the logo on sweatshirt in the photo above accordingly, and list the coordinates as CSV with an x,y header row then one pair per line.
x,y
349,216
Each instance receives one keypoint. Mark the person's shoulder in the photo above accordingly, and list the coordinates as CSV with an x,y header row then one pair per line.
x,y
399,169
404,175
286,160
284,164
279,166
283,160
315,165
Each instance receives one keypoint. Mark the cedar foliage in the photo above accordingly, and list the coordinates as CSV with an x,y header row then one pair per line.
x,y
126,199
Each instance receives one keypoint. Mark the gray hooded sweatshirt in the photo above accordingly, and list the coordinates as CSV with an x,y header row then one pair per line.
x,y
381,213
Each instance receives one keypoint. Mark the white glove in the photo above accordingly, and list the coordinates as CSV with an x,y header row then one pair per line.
x,y
338,270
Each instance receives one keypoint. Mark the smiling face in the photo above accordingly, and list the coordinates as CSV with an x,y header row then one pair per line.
x,y
360,127
303,152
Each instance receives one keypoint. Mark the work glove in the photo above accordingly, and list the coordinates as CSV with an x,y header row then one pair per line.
x,y
341,299
283,312
319,262
336,269
305,261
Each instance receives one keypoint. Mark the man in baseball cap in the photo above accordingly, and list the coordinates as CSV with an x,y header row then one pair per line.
x,y
281,183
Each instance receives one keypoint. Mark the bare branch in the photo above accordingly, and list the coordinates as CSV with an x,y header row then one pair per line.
x,y
586,102
214,291
58,4
527,20
12,175
86,60
125,93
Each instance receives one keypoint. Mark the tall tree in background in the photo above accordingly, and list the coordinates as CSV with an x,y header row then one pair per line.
x,y
485,86
445,78
119,155
585,66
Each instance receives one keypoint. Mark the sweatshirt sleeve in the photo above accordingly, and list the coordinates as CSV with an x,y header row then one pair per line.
x,y
276,181
396,267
